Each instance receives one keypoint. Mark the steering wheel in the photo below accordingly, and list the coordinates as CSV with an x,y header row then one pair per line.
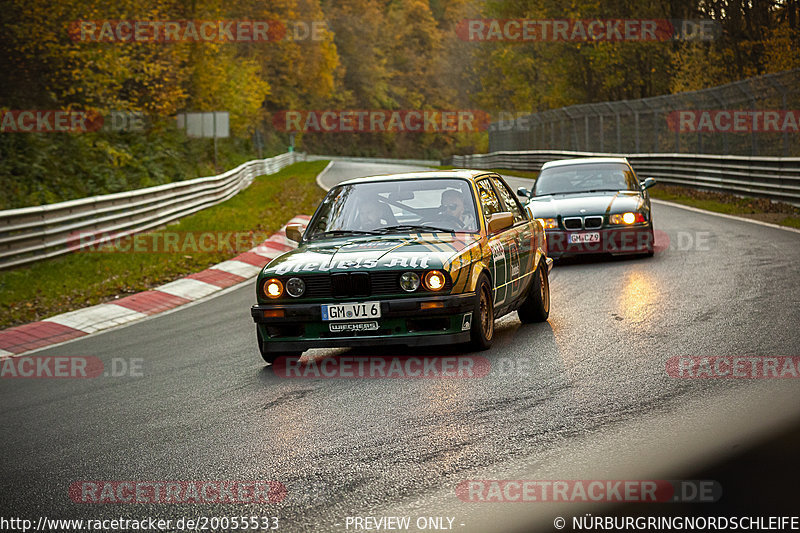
x,y
444,220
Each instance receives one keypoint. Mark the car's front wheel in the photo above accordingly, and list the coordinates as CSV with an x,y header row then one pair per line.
x,y
270,356
482,331
536,307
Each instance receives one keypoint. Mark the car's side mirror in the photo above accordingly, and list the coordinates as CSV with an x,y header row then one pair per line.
x,y
294,232
523,192
648,182
500,221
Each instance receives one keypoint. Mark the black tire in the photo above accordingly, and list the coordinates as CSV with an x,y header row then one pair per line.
x,y
536,307
270,356
482,330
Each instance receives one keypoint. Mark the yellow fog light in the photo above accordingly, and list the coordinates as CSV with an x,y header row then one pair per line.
x,y
273,288
431,305
434,280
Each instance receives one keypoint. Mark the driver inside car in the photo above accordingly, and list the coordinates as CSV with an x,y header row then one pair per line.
x,y
374,214
452,207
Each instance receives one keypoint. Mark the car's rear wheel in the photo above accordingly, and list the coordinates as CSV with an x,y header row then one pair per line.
x,y
482,330
536,307
270,356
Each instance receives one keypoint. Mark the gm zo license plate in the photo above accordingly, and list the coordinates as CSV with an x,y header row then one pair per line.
x,y
575,238
351,311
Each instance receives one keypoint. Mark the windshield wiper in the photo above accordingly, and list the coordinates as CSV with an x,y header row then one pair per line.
x,y
411,227
339,232
578,192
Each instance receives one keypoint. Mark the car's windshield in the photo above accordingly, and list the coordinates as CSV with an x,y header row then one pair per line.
x,y
384,207
585,177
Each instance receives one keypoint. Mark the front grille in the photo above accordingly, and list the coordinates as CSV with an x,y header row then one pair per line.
x,y
593,222
386,282
344,285
359,284
573,223
340,285
318,286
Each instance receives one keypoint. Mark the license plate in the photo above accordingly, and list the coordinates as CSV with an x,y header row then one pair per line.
x,y
575,238
351,311
353,326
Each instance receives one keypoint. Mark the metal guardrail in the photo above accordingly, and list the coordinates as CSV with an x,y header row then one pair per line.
x,y
34,233
776,178
375,160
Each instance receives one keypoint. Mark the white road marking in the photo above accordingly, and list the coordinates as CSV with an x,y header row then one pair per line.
x,y
321,174
97,317
190,289
238,268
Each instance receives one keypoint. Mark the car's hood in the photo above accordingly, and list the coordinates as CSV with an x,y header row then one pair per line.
x,y
585,204
412,251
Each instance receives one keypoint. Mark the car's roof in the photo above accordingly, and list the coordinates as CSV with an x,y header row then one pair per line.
x,y
584,161
461,173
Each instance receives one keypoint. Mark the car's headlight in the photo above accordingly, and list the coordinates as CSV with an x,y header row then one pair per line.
x,y
627,218
409,281
295,287
548,223
434,280
273,288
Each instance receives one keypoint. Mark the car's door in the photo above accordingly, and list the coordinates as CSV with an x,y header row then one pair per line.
x,y
499,243
520,239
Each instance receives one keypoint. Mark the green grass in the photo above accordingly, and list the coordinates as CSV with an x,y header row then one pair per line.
x,y
793,222
754,208
78,280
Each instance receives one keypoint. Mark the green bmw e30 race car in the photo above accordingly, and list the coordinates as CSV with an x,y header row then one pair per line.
x,y
417,259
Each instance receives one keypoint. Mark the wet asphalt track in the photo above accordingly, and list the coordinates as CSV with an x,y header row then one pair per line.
x,y
559,396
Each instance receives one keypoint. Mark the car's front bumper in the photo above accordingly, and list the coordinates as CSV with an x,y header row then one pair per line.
x,y
402,321
617,241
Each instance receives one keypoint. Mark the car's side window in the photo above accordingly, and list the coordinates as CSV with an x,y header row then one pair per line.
x,y
489,201
509,201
